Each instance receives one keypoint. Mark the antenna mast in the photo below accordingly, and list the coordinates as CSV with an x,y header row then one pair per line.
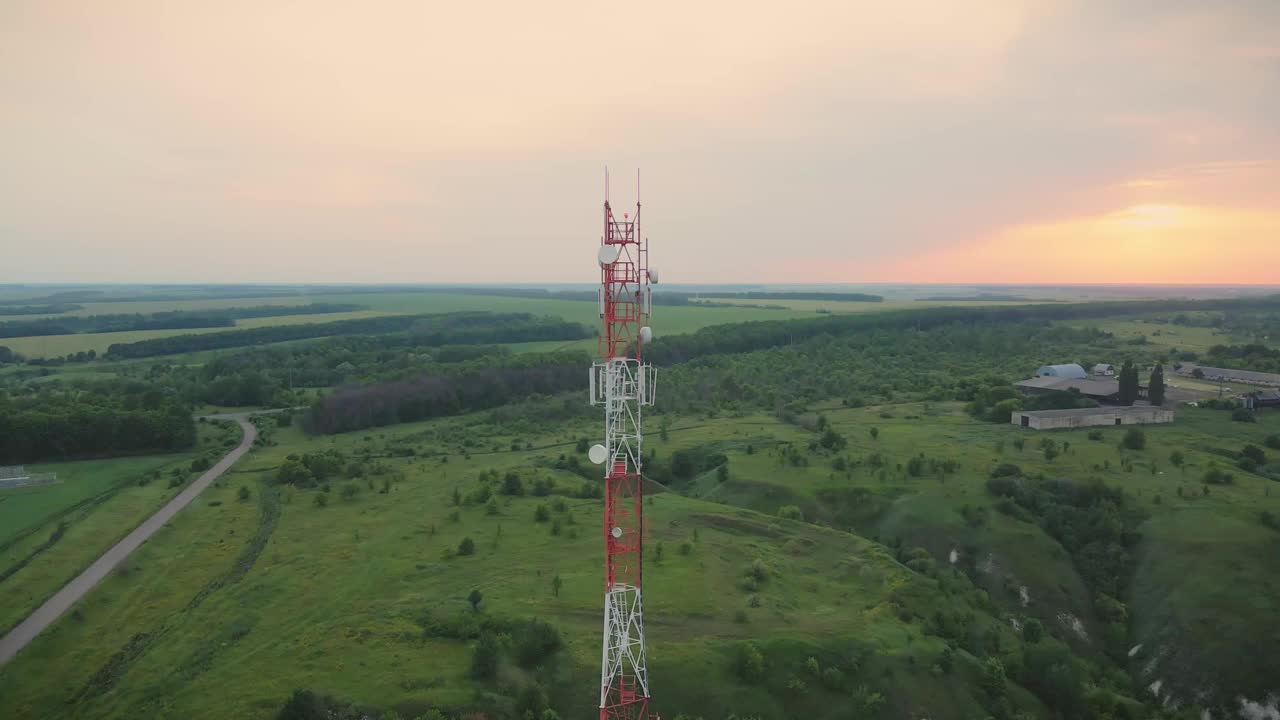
x,y
623,384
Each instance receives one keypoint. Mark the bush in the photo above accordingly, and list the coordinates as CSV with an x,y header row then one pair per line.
x,y
321,500
243,493
484,659
512,484
535,641
748,664
1095,435
1242,415
790,512
758,571
467,547
349,491
1273,442
1006,470
1254,453
541,514
1135,439
1218,477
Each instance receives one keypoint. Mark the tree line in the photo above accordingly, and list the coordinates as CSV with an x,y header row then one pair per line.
x,y
762,334
169,320
434,329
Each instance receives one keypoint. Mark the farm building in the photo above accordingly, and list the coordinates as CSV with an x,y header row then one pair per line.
x,y
1089,417
1104,369
1070,370
1100,390
1254,401
1229,375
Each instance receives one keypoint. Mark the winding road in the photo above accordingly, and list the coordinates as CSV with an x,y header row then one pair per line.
x,y
61,601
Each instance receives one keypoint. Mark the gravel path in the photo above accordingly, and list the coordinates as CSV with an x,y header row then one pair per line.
x,y
54,607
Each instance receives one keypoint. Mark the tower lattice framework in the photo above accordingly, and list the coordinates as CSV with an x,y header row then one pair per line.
x,y
623,384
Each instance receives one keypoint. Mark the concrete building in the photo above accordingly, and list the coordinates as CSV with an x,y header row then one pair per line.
x,y
1070,370
1104,369
1229,375
1090,417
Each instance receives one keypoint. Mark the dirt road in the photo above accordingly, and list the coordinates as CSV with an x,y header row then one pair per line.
x,y
52,609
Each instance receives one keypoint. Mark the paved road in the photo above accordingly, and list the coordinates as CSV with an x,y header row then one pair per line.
x,y
52,609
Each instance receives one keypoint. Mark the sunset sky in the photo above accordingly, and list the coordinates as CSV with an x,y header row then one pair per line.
x,y
423,141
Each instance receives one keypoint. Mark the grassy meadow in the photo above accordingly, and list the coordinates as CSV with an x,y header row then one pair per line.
x,y
333,597
49,533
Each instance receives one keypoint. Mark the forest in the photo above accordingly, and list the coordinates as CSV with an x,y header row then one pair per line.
x,y
107,420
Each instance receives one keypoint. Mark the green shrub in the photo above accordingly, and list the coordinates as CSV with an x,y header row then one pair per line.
x,y
748,663
484,658
541,513
790,512
1135,439
1006,470
467,547
535,641
243,493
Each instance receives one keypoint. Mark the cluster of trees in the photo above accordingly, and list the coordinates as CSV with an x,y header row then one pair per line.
x,y
110,419
997,403
428,396
881,364
1252,356
170,320
421,330
1129,383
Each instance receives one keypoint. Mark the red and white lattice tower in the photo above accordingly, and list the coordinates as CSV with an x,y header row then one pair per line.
x,y
623,384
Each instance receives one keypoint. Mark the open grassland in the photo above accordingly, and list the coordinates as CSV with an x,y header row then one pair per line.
x,y
49,533
1180,338
276,593
57,345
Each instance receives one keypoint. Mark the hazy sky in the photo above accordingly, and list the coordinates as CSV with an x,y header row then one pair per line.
x,y
1000,141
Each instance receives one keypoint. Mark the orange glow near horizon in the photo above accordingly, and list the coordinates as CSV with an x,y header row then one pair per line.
x,y
1146,243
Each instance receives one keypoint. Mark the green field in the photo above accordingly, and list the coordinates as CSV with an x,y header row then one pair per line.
x,y
669,320
333,597
867,538
1164,335
144,307
49,533
57,345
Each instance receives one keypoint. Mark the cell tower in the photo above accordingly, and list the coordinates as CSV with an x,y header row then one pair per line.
x,y
623,384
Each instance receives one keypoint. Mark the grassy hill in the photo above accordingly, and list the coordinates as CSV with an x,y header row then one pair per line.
x,y
241,601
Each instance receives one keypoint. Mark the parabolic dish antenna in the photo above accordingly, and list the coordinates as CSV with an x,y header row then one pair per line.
x,y
597,454
607,254
646,334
